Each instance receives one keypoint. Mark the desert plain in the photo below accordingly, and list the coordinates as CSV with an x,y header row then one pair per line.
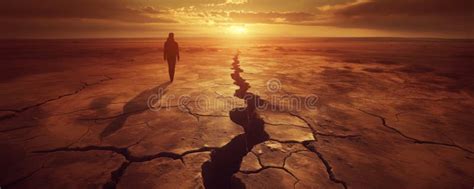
x,y
101,113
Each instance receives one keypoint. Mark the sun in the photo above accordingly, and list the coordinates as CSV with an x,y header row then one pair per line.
x,y
237,30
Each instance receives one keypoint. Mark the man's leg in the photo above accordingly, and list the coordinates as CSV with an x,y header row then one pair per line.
x,y
171,65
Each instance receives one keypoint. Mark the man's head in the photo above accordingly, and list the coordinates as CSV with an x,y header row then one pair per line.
x,y
171,35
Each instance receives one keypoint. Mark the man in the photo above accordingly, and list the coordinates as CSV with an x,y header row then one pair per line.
x,y
171,54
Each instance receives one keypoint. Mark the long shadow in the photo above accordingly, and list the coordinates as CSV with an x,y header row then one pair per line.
x,y
135,106
218,172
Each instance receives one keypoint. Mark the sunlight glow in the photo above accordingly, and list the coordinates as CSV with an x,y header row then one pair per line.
x,y
237,30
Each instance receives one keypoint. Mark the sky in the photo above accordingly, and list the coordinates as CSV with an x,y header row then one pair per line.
x,y
236,18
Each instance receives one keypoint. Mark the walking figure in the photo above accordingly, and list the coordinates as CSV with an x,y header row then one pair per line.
x,y
171,54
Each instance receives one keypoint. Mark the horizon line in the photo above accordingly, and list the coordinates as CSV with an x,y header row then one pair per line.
x,y
247,37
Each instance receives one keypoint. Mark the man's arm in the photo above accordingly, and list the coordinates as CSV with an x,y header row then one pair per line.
x,y
164,51
177,51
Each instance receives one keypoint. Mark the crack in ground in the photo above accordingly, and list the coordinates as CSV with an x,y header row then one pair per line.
x,y
264,167
185,108
258,159
128,113
16,128
84,86
397,115
11,114
118,173
82,136
290,154
338,136
290,125
126,153
271,167
306,144
225,161
78,110
315,132
328,166
289,141
414,140
23,178
188,110
31,138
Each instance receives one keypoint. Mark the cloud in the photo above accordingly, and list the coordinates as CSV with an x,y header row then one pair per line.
x,y
236,1
115,10
453,18
407,15
271,17
407,7
429,16
85,28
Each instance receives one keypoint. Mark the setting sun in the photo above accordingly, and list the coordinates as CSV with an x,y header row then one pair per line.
x,y
237,30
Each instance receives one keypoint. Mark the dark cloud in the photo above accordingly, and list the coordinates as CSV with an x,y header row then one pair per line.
x,y
408,7
116,10
455,16
77,28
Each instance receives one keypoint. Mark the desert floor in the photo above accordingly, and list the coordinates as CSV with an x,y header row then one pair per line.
x,y
384,113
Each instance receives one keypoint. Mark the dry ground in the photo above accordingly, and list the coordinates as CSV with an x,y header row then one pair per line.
x,y
391,113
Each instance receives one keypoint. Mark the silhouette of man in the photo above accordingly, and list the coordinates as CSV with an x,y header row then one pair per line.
x,y
171,54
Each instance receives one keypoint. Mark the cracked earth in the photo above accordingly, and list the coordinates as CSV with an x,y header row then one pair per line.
x,y
76,115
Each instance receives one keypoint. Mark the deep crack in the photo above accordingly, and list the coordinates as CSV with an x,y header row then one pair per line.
x,y
219,171
116,175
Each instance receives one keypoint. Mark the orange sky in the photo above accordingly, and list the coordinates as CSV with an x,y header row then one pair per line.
x,y
236,18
